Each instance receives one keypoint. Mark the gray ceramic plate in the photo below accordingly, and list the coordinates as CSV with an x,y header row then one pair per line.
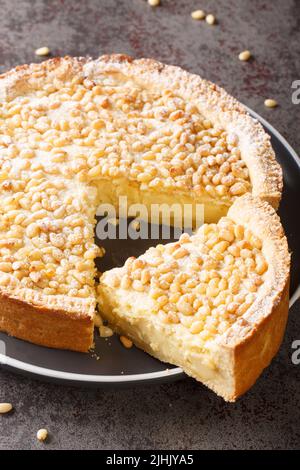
x,y
112,364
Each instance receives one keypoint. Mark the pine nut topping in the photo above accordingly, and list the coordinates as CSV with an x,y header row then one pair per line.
x,y
62,138
206,290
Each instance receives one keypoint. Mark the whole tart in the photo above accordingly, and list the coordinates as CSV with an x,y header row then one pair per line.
x,y
76,132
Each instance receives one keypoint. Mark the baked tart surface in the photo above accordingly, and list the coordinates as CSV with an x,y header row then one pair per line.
x,y
75,133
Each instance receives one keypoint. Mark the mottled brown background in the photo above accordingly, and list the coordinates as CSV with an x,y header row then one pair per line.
x,y
183,415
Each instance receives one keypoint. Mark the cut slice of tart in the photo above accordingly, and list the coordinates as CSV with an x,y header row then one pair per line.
x,y
47,271
75,133
215,303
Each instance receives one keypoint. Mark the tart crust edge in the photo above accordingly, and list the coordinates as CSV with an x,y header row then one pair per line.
x,y
59,324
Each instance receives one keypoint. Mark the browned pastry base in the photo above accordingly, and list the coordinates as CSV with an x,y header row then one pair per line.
x,y
55,328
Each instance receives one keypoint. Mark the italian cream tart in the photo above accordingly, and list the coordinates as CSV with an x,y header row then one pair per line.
x,y
214,303
75,133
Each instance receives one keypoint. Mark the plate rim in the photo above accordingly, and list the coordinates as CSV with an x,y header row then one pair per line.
x,y
175,373
275,132
73,376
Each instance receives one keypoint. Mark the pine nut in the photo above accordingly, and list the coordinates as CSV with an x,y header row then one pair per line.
x,y
245,55
210,19
127,343
5,407
198,15
42,51
270,103
42,434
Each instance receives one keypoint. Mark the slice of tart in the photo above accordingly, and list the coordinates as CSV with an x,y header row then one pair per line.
x,y
215,303
75,133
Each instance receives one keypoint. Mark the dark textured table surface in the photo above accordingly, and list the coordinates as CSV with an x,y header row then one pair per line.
x,y
182,415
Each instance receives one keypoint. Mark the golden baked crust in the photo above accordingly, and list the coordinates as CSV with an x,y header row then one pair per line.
x,y
256,338
230,362
22,316
53,322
